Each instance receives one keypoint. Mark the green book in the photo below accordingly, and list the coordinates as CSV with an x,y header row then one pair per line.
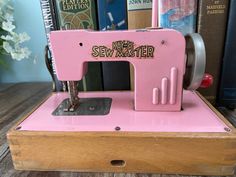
x,y
81,14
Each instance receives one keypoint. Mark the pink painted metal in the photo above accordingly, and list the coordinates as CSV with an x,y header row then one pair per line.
x,y
155,15
154,53
196,116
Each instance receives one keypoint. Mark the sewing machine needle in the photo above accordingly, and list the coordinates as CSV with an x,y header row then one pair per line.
x,y
73,96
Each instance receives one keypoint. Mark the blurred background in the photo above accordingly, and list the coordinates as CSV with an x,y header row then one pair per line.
x,y
28,18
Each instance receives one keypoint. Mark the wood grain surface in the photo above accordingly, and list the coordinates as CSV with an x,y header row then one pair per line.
x,y
6,170
193,153
17,100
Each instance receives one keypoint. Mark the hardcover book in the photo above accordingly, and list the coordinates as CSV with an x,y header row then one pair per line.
x,y
227,93
180,15
139,17
81,14
112,15
212,23
50,24
139,14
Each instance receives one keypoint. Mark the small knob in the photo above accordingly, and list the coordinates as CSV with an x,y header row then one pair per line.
x,y
207,81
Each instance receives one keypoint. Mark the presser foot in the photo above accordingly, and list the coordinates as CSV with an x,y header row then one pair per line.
x,y
71,107
85,106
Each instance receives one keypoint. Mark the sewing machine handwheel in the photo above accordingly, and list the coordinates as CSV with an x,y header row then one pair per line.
x,y
195,61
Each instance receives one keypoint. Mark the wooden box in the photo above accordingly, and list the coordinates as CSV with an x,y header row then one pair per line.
x,y
197,153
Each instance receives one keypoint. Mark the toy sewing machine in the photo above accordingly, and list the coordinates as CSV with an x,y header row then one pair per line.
x,y
163,126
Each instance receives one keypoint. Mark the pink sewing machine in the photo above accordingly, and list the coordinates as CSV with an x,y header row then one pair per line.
x,y
158,56
164,126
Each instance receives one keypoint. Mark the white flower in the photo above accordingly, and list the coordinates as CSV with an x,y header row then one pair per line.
x,y
26,52
19,38
15,37
17,56
11,41
7,38
21,53
8,26
23,37
7,47
9,17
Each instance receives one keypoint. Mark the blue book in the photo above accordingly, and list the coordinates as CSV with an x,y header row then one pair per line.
x,y
112,15
227,93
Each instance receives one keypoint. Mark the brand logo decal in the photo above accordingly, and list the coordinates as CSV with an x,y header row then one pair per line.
x,y
124,49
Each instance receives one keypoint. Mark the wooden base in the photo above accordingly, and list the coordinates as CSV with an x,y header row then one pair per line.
x,y
170,153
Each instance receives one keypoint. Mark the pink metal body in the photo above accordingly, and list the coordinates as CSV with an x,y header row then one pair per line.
x,y
155,9
158,56
196,116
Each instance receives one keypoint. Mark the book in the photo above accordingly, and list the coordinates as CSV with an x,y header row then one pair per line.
x,y
180,15
227,92
212,23
112,15
49,20
81,14
139,17
139,14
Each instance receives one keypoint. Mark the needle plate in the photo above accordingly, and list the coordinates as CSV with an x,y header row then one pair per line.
x,y
87,106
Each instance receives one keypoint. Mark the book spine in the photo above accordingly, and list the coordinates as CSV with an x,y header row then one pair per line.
x,y
180,15
81,14
227,93
115,74
139,17
139,14
212,23
50,25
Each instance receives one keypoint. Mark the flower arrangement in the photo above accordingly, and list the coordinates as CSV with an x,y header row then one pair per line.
x,y
10,41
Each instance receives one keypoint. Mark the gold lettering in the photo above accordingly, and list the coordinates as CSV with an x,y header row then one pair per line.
x,y
102,51
150,51
144,51
109,53
121,49
138,52
119,54
210,12
95,52
74,4
217,8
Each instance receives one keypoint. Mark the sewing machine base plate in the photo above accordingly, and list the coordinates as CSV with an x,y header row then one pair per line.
x,y
142,142
87,106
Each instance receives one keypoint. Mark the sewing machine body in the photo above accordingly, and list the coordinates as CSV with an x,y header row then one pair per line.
x,y
158,56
